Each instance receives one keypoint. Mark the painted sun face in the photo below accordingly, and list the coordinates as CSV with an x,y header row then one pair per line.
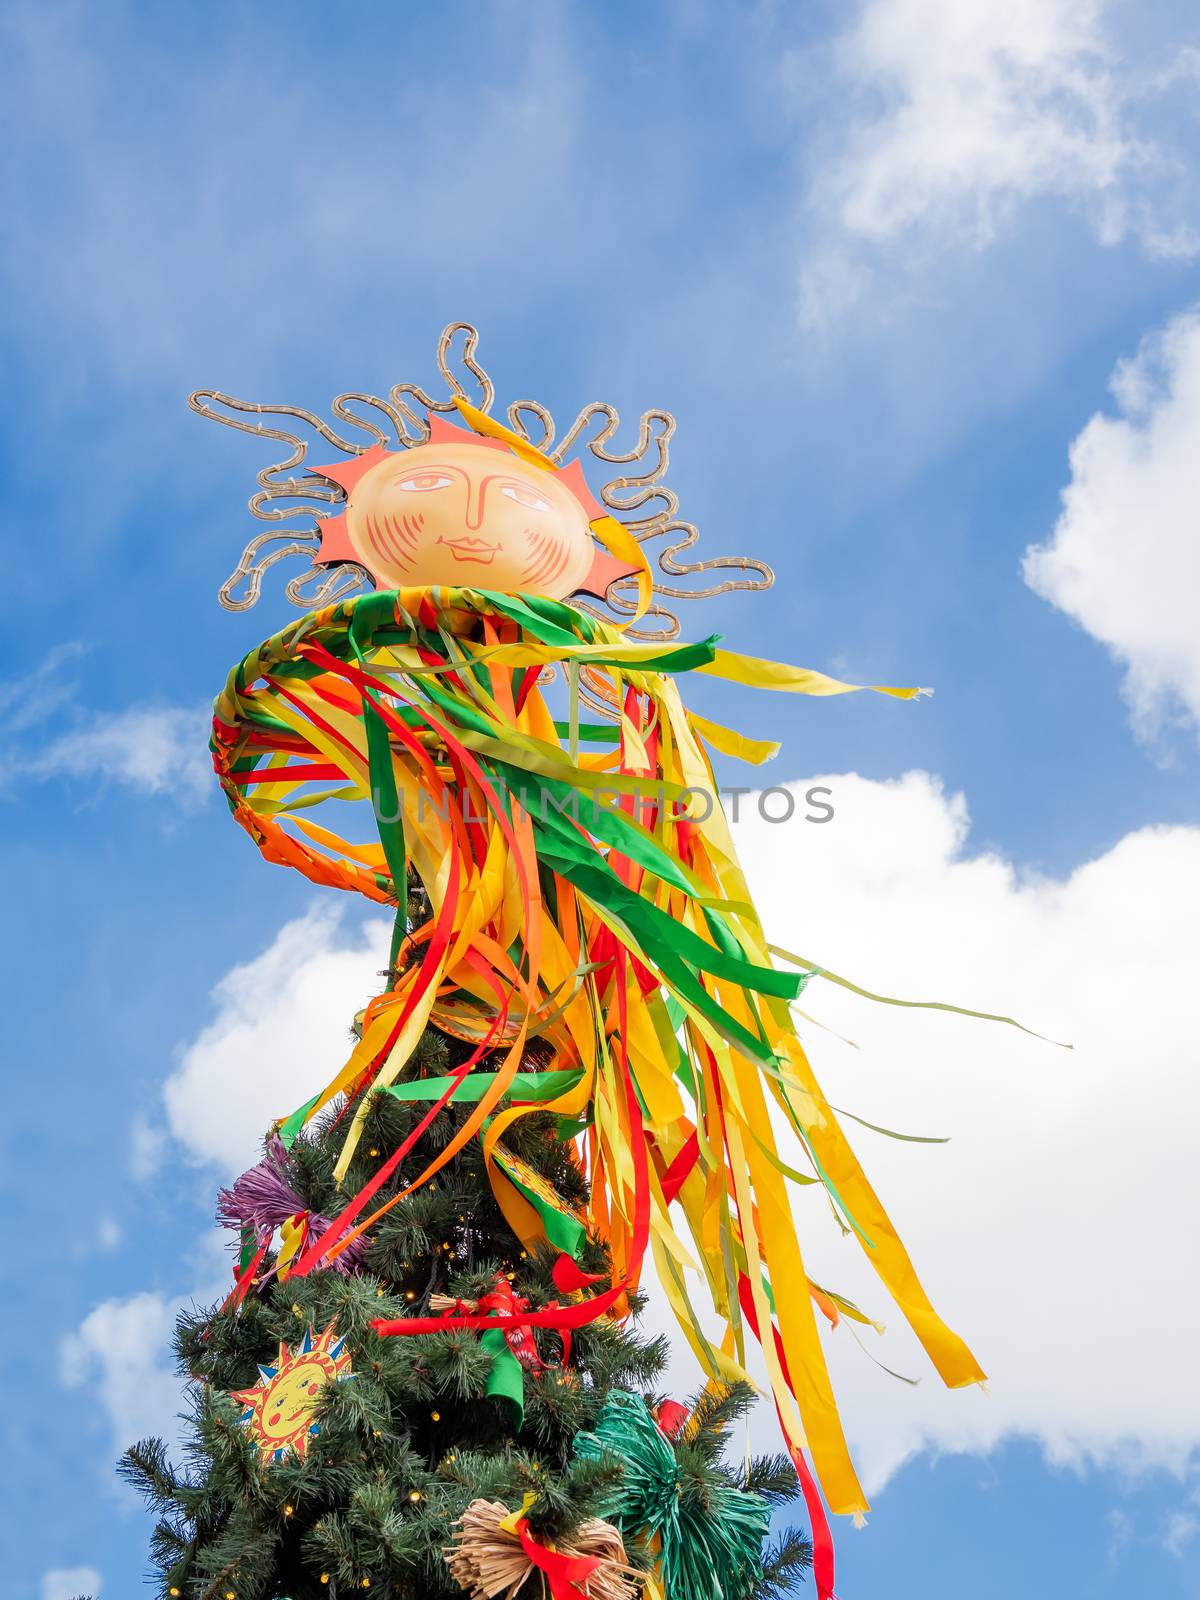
x,y
467,512
292,1397
460,514
278,1410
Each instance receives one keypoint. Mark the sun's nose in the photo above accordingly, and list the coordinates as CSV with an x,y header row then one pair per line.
x,y
476,494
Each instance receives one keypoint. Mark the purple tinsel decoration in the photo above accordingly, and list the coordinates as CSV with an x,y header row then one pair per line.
x,y
262,1199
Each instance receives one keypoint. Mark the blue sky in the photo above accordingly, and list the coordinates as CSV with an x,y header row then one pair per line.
x,y
919,281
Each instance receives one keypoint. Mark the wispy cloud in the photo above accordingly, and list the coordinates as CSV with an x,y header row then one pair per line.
x,y
1182,1528
142,251
1120,1534
108,1233
153,749
147,1147
957,113
33,698
1124,557
48,734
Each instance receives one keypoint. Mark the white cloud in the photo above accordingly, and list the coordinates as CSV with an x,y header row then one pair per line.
x,y
121,1352
983,106
1124,557
280,1031
1054,1230
68,1583
961,111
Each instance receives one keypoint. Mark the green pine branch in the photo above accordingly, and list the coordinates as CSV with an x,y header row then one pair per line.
x,y
785,1564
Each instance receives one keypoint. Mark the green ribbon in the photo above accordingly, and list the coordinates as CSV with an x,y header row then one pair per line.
x,y
506,1380
563,1230
249,1244
385,799
589,732
289,1129
524,1086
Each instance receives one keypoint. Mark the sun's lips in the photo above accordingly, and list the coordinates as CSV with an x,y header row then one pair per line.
x,y
470,548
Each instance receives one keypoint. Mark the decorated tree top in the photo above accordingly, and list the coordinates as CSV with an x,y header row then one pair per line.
x,y
618,934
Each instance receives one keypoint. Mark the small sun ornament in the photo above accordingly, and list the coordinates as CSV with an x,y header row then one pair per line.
x,y
278,1410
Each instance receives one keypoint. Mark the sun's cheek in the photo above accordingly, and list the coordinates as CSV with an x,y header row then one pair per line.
x,y
503,524
548,551
395,531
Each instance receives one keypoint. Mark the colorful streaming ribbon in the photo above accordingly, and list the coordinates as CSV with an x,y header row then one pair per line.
x,y
584,892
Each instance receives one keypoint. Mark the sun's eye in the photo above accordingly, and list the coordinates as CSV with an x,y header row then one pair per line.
x,y
529,498
423,482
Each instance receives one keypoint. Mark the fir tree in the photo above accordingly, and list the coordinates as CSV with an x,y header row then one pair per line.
x,y
404,1447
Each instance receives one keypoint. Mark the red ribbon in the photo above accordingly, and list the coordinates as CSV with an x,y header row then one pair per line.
x,y
503,1309
528,678
672,1418
576,1316
519,1340
308,772
676,1175
245,1276
822,1539
565,1573
569,1277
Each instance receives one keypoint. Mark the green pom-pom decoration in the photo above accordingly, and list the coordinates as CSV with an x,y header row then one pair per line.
x,y
710,1537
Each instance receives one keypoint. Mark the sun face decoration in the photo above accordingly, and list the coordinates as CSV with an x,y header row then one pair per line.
x,y
278,1410
465,510
487,506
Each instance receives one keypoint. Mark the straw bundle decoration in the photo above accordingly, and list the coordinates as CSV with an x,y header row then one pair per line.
x,y
491,1556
